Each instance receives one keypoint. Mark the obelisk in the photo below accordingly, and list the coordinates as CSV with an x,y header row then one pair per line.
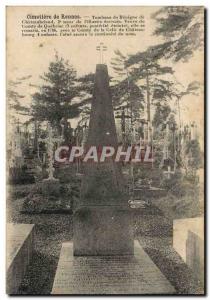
x,y
102,220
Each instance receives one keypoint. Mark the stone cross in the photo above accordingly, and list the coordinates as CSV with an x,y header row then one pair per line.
x,y
169,172
123,118
101,48
193,131
50,140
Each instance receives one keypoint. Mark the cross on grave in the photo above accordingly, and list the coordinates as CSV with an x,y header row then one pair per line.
x,y
165,146
101,48
193,131
168,172
16,159
50,140
144,125
123,117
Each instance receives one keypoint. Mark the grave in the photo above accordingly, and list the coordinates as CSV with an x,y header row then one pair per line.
x,y
20,247
102,220
107,275
102,258
50,185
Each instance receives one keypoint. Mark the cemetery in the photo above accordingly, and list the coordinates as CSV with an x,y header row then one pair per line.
x,y
112,226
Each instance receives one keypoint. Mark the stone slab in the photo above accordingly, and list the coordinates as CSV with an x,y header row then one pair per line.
x,y
195,255
20,238
50,187
180,233
103,230
107,275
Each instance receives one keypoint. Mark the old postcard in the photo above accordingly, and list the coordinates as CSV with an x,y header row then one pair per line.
x,y
105,150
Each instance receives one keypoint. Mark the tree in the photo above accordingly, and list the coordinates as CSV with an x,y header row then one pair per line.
x,y
193,152
182,30
54,100
125,92
145,66
161,113
15,99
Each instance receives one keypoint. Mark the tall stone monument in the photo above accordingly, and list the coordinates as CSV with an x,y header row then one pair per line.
x,y
102,220
104,259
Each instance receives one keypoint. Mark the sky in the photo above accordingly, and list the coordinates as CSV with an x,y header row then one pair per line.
x,y
26,57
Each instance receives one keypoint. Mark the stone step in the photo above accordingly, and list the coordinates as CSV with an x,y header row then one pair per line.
x,y
107,275
20,246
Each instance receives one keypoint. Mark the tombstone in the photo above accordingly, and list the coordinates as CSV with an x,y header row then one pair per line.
x,y
104,259
85,134
193,131
124,130
50,185
195,254
181,228
169,172
16,159
66,131
102,220
188,241
20,247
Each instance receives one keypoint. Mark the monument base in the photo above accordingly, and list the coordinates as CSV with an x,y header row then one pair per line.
x,y
103,230
50,187
108,275
20,247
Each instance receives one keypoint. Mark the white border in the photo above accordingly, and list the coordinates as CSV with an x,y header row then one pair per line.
x,y
5,3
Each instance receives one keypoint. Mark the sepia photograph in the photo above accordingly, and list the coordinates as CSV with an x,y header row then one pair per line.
x,y
105,146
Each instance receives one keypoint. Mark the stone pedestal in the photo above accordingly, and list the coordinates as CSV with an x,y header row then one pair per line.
x,y
103,230
108,275
20,247
50,187
180,233
195,254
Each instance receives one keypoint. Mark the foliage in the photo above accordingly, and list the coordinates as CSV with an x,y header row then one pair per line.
x,y
182,198
19,191
19,175
194,152
61,96
161,113
180,186
146,69
15,99
37,202
182,29
125,91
